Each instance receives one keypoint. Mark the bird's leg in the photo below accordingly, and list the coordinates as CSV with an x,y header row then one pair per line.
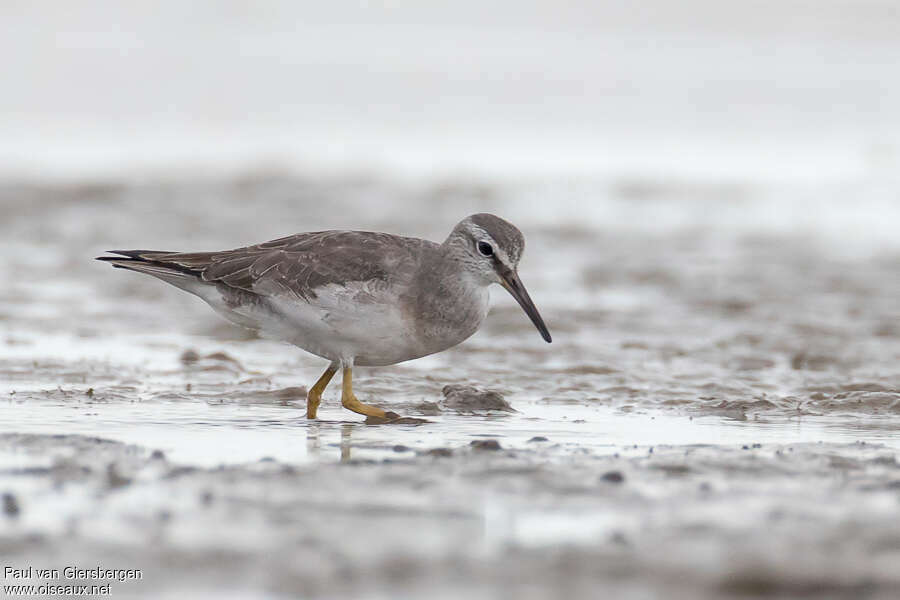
x,y
314,395
351,403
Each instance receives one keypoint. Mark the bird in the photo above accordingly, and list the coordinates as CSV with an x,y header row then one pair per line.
x,y
354,298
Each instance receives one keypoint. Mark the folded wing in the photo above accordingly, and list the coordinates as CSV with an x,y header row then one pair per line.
x,y
296,265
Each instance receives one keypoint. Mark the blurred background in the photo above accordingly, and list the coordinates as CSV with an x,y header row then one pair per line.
x,y
709,194
796,90
785,112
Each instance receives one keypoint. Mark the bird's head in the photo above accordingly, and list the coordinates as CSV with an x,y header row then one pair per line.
x,y
490,249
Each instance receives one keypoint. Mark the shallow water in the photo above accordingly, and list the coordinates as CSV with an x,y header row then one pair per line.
x,y
721,403
256,432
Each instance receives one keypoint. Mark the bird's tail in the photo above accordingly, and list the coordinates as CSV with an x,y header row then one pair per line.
x,y
153,262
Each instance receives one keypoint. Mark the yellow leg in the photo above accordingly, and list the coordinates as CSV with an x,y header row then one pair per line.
x,y
314,395
351,403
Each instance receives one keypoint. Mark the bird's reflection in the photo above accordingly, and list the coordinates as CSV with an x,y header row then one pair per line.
x,y
346,442
314,433
313,444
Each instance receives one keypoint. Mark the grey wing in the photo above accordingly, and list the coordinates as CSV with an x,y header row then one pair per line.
x,y
297,265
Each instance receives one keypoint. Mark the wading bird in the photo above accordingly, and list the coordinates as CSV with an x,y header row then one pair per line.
x,y
355,298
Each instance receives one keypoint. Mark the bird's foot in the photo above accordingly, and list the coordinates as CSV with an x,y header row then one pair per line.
x,y
351,403
374,415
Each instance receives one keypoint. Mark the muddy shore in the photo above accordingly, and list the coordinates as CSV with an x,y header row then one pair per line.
x,y
718,415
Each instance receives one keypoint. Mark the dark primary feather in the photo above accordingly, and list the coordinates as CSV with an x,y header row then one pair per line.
x,y
297,264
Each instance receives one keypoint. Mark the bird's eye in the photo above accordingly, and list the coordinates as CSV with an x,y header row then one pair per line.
x,y
485,249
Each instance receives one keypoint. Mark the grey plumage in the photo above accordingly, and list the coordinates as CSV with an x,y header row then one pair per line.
x,y
503,232
296,264
354,297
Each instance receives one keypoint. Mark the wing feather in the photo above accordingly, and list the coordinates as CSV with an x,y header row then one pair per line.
x,y
300,264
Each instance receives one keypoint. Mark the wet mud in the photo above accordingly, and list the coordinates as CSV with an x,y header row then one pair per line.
x,y
718,415
690,521
469,399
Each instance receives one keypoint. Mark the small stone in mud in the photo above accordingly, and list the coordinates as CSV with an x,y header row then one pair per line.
x,y
217,361
444,452
430,409
485,444
223,358
11,506
180,471
291,393
114,479
613,477
189,357
387,418
618,538
538,438
467,399
392,418
673,469
401,448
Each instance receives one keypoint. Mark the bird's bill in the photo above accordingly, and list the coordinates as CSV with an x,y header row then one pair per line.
x,y
510,280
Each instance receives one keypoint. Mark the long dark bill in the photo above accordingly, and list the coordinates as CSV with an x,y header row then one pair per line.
x,y
510,280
